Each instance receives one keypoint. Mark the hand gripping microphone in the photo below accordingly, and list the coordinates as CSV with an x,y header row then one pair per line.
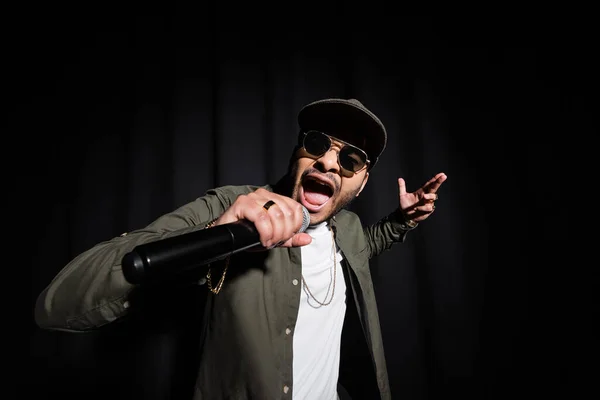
x,y
162,258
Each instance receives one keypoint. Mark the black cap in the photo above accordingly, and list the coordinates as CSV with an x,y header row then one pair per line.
x,y
346,118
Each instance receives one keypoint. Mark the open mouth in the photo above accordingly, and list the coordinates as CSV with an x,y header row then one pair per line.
x,y
315,192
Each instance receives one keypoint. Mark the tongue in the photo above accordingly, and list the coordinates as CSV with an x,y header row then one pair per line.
x,y
315,198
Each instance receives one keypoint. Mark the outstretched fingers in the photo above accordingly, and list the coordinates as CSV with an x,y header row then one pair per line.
x,y
434,183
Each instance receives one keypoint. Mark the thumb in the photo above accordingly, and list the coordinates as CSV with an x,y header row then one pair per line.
x,y
298,240
401,187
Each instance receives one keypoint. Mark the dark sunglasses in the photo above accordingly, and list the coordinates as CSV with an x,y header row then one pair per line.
x,y
350,158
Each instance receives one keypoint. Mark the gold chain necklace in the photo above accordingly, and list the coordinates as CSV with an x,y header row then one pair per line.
x,y
324,303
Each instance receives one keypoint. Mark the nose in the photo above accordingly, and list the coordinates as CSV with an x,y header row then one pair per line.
x,y
328,162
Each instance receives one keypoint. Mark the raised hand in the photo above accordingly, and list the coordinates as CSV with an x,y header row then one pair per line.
x,y
276,218
418,205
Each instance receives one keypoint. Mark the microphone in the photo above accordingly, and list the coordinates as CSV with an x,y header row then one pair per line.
x,y
172,255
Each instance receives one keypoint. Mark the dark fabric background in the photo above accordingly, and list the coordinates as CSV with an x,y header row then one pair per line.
x,y
125,115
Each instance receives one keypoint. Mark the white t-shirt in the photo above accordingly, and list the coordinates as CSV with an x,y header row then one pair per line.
x,y
318,331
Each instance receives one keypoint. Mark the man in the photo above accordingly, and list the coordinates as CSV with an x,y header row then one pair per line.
x,y
274,317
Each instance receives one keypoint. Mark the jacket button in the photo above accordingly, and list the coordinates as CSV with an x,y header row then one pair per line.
x,y
295,282
286,389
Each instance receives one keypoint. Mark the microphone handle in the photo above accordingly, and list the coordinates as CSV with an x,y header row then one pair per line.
x,y
179,253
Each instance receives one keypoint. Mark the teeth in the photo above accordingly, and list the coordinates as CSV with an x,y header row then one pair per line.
x,y
319,182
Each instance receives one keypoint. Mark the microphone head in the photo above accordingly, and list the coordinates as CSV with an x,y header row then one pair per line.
x,y
305,219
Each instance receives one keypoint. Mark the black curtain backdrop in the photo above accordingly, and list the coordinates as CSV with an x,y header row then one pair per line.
x,y
127,115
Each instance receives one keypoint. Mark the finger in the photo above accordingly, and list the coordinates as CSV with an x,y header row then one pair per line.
x,y
401,187
251,208
285,213
299,239
254,212
277,216
294,215
434,183
289,220
414,213
429,197
290,207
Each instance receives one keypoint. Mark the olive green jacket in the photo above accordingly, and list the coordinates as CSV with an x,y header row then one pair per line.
x,y
249,325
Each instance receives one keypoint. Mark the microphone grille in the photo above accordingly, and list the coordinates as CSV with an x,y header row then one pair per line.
x,y
305,219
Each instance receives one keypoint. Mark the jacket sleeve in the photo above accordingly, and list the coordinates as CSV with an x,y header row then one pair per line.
x,y
387,231
90,291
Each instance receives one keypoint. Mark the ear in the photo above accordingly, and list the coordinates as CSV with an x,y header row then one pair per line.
x,y
364,182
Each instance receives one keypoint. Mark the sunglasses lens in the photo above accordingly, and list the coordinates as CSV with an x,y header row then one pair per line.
x,y
352,159
316,143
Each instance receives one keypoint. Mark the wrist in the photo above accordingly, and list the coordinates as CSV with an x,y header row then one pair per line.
x,y
405,222
410,223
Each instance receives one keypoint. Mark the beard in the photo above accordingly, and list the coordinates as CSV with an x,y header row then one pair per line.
x,y
340,203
